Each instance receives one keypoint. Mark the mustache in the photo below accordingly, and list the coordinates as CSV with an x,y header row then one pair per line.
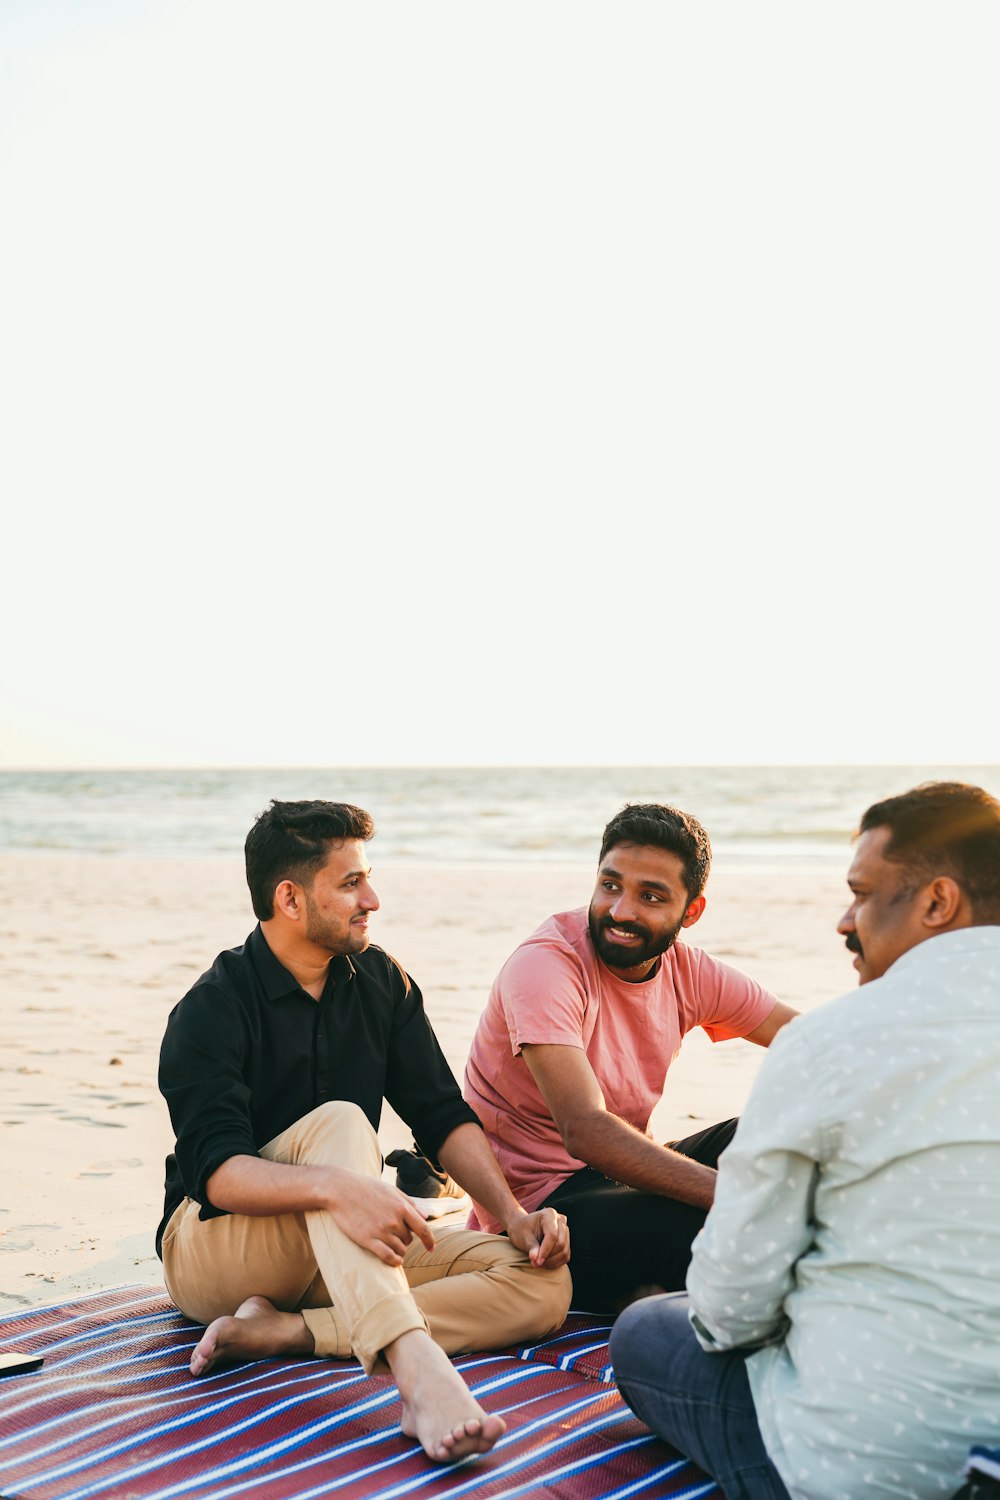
x,y
630,927
852,944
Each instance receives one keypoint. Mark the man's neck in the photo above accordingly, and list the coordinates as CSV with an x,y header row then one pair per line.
x,y
307,963
638,974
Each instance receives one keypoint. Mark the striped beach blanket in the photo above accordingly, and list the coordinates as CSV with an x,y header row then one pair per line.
x,y
114,1413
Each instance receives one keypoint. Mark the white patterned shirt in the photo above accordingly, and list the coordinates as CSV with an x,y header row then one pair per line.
x,y
856,1231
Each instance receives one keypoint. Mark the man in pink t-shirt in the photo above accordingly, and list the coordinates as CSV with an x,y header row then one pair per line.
x,y
571,1054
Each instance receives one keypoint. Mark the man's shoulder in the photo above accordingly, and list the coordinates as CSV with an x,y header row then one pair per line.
x,y
688,969
565,936
219,1002
227,972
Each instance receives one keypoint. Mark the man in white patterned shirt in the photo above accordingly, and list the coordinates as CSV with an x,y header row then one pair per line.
x,y
841,1333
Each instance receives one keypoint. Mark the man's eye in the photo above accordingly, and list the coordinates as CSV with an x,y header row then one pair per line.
x,y
650,896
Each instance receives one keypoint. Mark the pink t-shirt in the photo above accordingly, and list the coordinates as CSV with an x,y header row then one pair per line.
x,y
554,988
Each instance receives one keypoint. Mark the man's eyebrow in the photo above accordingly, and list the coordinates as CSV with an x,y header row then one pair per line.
x,y
353,874
651,885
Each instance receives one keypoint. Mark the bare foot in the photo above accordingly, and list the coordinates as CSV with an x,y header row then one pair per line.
x,y
439,1410
257,1330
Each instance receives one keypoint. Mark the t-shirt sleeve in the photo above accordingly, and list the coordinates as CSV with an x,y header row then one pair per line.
x,y
544,998
724,1000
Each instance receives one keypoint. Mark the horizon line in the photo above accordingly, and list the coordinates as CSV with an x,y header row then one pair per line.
x,y
541,765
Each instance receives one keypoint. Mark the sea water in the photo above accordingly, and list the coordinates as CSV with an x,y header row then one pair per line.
x,y
769,816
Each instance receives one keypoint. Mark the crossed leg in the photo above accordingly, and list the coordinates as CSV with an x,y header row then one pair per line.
x,y
296,1284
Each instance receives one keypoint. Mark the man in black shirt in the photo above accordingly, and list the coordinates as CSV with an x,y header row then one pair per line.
x,y
278,1230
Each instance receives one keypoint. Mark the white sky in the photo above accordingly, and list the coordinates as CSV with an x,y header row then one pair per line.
x,y
524,382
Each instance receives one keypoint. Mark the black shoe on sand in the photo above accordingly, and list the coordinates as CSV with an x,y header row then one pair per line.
x,y
419,1178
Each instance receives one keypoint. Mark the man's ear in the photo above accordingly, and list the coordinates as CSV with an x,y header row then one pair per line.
x,y
942,902
693,912
288,900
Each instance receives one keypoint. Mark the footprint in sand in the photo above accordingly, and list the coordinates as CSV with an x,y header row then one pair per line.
x,y
89,1120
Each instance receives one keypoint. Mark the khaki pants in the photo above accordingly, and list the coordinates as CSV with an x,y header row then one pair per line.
x,y
472,1291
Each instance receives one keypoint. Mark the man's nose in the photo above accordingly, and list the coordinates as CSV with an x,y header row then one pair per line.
x,y
622,908
369,900
846,923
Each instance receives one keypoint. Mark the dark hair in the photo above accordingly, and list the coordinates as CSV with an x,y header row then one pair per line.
x,y
945,828
291,841
666,828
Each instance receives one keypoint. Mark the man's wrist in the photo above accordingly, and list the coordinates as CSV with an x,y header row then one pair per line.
x,y
513,1217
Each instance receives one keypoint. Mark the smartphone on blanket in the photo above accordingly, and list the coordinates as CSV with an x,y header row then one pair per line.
x,y
19,1364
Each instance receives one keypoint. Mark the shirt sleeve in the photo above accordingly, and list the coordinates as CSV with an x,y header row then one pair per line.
x,y
544,998
420,1085
761,1223
201,1076
728,1002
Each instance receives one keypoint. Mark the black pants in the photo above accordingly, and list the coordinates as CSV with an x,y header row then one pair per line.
x,y
624,1242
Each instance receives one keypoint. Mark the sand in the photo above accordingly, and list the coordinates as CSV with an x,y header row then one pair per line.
x,y
94,952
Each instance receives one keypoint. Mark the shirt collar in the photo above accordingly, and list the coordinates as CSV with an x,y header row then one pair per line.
x,y
277,981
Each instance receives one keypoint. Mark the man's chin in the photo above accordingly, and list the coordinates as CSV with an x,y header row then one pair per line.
x,y
624,955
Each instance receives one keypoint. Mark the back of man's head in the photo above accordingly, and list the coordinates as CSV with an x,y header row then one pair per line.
x,y
664,827
291,841
945,828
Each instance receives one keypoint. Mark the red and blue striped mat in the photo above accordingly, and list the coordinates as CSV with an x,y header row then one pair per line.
x,y
114,1414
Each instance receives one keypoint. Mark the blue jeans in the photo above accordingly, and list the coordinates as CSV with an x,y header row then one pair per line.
x,y
700,1403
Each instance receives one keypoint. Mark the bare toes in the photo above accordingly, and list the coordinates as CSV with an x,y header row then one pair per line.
x,y
472,1436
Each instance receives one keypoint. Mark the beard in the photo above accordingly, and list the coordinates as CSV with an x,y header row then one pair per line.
x,y
336,938
650,945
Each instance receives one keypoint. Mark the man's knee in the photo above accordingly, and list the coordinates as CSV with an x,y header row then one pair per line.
x,y
543,1300
547,1294
539,1299
648,1334
334,1134
558,1295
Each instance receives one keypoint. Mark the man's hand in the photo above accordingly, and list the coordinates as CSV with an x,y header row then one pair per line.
x,y
370,1212
380,1218
544,1235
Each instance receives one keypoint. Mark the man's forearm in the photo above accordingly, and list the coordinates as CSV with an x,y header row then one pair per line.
x,y
255,1186
604,1141
468,1157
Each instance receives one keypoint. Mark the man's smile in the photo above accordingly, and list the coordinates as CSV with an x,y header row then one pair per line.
x,y
622,934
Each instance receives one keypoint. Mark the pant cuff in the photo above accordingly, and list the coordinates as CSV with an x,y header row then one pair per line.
x,y
331,1338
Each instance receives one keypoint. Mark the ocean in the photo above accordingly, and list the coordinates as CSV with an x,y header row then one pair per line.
x,y
767,816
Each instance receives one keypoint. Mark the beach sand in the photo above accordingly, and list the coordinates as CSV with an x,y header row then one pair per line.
x,y
94,952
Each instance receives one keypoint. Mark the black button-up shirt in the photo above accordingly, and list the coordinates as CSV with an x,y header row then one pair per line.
x,y
247,1052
